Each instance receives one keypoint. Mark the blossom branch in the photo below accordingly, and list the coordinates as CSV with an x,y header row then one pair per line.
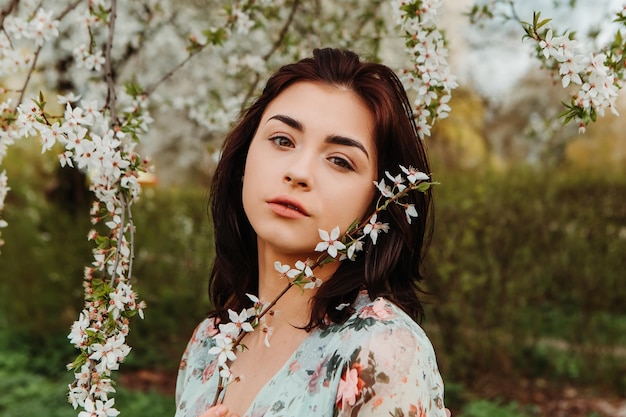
x,y
273,49
148,91
68,9
429,76
108,70
7,11
221,380
28,76
212,37
131,227
124,206
598,74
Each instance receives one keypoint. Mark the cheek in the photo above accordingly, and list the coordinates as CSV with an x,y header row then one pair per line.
x,y
357,202
250,182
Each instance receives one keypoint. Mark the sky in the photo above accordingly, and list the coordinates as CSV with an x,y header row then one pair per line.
x,y
494,58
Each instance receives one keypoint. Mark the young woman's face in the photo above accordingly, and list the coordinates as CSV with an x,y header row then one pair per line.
x,y
311,165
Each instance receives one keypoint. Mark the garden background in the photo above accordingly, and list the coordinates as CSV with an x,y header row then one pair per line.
x,y
525,289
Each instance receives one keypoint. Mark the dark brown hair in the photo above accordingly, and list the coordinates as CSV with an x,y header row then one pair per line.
x,y
392,267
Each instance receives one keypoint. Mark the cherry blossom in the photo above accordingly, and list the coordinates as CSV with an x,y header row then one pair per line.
x,y
99,409
223,349
109,354
397,181
410,211
355,246
240,320
329,242
373,228
384,189
430,74
414,175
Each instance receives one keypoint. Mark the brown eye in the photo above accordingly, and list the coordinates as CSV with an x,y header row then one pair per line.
x,y
282,142
341,163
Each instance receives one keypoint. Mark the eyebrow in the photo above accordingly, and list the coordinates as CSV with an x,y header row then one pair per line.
x,y
333,139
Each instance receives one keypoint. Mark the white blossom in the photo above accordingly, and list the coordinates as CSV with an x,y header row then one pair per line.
x,y
329,242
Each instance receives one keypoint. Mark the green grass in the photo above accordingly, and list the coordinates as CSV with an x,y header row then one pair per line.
x,y
484,408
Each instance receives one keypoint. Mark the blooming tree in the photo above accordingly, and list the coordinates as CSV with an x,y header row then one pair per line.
x,y
90,78
594,75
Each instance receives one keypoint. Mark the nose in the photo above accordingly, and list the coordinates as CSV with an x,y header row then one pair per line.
x,y
298,174
295,180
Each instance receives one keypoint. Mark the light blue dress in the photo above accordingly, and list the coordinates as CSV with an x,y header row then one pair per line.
x,y
378,363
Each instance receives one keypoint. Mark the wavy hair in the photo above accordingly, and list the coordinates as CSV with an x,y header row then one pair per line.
x,y
392,268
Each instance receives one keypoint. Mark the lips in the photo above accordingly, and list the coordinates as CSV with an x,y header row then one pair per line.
x,y
289,204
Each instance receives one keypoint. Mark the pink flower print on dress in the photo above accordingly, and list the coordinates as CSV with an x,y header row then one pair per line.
x,y
350,387
380,310
208,372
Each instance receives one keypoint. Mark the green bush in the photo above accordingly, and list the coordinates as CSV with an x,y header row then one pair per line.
x,y
525,262
28,388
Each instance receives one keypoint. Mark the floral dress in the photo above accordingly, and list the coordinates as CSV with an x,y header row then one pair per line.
x,y
377,363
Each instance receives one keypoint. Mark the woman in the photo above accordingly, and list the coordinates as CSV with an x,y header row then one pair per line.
x,y
304,157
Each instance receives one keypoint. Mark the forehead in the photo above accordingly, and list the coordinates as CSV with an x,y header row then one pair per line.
x,y
319,106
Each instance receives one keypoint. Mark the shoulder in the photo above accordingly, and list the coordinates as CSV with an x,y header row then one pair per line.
x,y
379,329
202,336
388,364
372,320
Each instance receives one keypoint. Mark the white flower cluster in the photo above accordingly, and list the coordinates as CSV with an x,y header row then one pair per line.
x,y
596,73
106,155
89,139
598,84
430,75
40,28
20,41
334,248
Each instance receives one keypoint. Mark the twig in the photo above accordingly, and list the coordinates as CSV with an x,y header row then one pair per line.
x,y
27,80
108,70
171,72
131,226
120,237
514,12
7,10
275,46
68,9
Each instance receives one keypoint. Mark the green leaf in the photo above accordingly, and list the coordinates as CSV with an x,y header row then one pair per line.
x,y
133,89
215,36
542,23
423,186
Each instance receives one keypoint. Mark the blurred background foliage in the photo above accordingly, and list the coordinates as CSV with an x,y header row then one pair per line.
x,y
525,282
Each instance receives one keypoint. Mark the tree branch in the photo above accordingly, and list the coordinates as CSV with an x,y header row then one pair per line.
x,y
27,80
68,9
171,72
108,70
7,10
275,46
